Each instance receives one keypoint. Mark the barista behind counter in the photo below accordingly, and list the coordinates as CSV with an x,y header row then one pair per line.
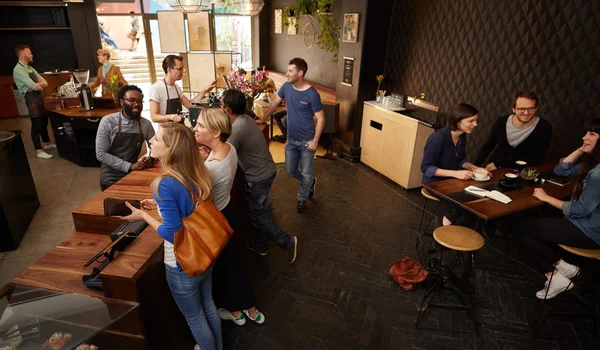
x,y
166,98
120,138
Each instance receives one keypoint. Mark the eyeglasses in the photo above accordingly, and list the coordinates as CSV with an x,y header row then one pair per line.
x,y
134,100
179,68
530,110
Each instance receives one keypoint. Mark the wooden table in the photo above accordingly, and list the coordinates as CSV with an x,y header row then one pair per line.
x,y
488,209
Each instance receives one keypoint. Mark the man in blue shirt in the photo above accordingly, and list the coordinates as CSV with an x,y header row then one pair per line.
x,y
303,106
30,83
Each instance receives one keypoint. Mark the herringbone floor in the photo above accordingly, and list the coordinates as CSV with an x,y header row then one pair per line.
x,y
337,294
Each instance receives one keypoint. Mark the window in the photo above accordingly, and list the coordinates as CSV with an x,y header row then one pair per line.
x,y
234,33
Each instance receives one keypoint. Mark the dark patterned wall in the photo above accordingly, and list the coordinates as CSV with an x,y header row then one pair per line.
x,y
482,52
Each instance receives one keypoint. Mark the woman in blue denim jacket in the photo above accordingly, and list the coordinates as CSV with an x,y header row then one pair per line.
x,y
579,228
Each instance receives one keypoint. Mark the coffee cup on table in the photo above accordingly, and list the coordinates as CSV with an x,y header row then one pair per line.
x,y
510,178
480,174
520,165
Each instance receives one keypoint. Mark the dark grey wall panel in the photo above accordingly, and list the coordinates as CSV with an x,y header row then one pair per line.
x,y
482,52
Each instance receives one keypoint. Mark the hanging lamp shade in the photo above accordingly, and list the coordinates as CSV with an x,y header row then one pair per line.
x,y
248,7
188,6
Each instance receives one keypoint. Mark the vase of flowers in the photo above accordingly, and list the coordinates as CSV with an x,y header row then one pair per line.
x,y
113,84
251,85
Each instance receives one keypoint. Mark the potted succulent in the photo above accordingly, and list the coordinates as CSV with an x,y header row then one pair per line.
x,y
529,174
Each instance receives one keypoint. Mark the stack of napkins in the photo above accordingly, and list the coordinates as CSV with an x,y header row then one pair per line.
x,y
495,195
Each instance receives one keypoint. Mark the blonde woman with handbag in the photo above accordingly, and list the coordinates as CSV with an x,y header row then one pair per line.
x,y
182,168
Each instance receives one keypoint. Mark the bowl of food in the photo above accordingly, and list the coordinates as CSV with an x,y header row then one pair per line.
x,y
529,174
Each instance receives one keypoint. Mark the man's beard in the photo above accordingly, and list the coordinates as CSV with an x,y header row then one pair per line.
x,y
129,112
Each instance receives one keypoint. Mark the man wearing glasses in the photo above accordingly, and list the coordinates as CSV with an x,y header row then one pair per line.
x,y
120,138
519,136
167,98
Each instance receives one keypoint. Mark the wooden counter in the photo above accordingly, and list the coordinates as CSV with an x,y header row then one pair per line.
x,y
136,274
75,133
393,144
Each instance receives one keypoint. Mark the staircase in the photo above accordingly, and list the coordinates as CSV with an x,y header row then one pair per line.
x,y
134,67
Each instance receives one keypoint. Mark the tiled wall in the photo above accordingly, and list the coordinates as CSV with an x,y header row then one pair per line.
x,y
482,52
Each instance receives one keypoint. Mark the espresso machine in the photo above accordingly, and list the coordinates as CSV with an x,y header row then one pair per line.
x,y
85,92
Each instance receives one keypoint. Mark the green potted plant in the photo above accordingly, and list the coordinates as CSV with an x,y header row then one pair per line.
x,y
327,39
288,12
324,6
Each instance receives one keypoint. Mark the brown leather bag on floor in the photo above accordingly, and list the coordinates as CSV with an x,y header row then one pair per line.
x,y
202,237
407,272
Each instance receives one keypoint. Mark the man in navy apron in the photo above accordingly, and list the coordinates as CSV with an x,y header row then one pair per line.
x,y
30,83
167,98
120,138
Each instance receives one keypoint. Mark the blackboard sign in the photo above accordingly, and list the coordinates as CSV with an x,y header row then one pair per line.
x,y
348,71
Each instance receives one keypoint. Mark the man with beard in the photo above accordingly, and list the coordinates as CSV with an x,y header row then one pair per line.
x,y
519,136
30,83
167,98
120,138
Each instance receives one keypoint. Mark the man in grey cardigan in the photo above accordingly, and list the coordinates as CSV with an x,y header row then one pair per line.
x,y
259,169
120,138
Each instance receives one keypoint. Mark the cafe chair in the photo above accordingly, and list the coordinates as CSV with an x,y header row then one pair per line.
x,y
590,309
465,242
420,234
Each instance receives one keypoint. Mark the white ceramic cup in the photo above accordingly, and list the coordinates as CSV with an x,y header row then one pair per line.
x,y
480,174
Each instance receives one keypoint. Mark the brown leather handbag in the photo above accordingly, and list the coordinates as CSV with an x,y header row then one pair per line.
x,y
203,236
407,272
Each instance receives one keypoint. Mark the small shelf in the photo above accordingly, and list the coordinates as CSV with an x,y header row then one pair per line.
x,y
40,28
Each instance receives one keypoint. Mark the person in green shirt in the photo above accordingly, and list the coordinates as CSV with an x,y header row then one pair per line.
x,y
30,83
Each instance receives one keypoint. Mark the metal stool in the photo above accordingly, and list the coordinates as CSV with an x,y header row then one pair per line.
x,y
462,240
420,233
593,314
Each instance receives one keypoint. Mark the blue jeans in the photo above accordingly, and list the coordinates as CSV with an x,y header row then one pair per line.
x,y
297,155
281,120
109,40
193,295
258,198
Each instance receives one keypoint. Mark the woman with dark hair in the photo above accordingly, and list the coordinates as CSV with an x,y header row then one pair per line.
x,y
580,228
445,152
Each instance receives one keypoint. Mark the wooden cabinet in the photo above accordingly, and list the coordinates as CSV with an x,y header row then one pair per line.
x,y
392,144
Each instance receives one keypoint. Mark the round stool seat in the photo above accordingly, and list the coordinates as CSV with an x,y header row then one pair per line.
x,y
587,253
458,238
428,195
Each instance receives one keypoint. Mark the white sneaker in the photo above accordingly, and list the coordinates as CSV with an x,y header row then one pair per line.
x,y
260,318
44,155
49,147
225,314
567,270
559,284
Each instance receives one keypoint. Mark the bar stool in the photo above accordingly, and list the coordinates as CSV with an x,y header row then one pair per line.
x,y
420,233
586,253
462,240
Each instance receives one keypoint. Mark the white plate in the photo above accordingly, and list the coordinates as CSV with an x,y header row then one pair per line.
x,y
484,179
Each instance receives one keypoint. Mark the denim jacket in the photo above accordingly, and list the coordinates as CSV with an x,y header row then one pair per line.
x,y
583,212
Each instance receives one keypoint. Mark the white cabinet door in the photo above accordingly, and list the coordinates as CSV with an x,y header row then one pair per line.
x,y
372,137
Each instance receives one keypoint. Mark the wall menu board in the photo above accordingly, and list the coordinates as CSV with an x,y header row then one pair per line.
x,y
348,71
172,31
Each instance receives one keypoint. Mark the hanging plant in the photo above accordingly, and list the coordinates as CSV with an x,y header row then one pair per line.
x,y
327,40
289,12
324,6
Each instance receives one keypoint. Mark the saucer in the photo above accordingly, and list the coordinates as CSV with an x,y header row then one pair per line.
x,y
484,179
506,184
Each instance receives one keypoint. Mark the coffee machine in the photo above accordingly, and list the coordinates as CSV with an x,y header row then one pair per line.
x,y
85,92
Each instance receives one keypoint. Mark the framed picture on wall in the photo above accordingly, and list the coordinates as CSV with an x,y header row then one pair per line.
x,y
350,28
278,21
292,27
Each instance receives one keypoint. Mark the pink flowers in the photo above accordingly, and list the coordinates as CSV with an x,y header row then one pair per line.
x,y
251,85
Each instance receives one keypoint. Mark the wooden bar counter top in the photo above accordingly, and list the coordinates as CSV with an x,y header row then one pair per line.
x,y
136,274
